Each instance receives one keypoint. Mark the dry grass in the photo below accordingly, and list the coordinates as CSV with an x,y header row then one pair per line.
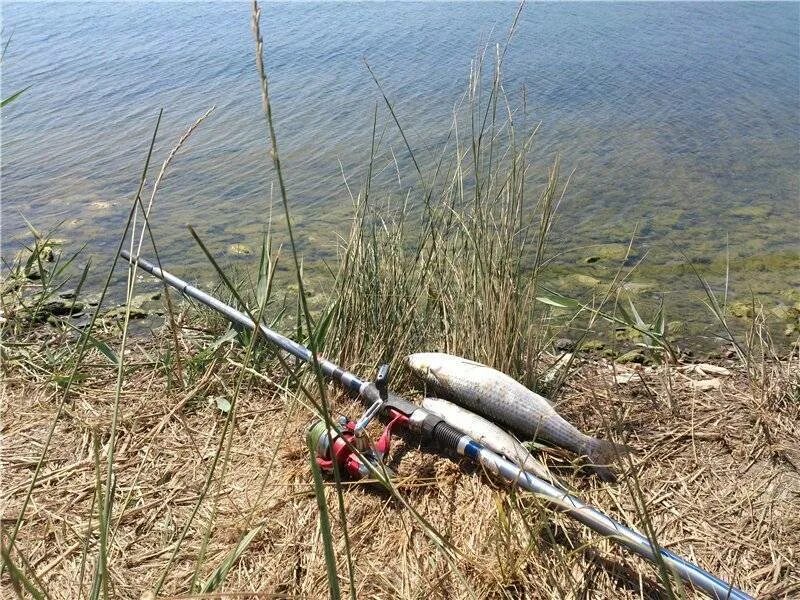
x,y
719,475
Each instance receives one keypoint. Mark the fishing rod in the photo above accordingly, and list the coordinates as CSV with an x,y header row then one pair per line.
x,y
345,443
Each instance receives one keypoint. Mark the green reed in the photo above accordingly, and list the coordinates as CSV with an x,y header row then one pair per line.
x,y
450,267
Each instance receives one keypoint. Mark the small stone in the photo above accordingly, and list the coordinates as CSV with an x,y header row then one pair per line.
x,y
593,346
706,369
706,385
81,321
564,345
634,356
92,299
561,364
625,378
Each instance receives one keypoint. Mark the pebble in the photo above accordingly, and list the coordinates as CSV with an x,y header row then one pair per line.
x,y
564,345
706,385
707,369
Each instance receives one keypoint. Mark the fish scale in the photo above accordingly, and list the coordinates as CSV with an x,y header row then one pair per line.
x,y
492,436
504,400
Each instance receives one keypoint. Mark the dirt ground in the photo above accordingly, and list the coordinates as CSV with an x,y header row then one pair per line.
x,y
715,457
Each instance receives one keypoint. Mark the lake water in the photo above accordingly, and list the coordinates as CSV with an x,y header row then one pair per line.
x,y
681,120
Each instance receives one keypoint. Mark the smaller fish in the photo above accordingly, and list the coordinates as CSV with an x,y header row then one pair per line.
x,y
490,435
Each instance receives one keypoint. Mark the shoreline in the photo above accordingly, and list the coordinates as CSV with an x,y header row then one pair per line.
x,y
693,335
707,438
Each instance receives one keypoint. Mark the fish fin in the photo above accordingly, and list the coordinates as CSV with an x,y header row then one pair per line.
x,y
602,454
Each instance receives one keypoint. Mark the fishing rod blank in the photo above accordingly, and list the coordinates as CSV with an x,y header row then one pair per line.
x,y
419,420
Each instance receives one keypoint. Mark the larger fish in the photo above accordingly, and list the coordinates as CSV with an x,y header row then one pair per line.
x,y
490,435
500,398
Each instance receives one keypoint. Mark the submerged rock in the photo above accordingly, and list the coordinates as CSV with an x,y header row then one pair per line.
x,y
140,300
750,212
607,252
118,312
581,280
636,288
61,307
92,299
743,310
239,250
787,313
138,307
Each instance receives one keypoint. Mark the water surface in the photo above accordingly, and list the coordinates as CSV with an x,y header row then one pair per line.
x,y
681,121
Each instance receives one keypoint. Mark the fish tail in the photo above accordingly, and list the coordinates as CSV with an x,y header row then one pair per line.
x,y
602,455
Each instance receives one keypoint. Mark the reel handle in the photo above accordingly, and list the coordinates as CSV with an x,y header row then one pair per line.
x,y
382,385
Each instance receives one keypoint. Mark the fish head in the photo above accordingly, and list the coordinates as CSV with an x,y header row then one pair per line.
x,y
424,365
437,368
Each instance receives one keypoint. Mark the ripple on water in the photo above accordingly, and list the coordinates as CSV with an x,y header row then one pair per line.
x,y
680,120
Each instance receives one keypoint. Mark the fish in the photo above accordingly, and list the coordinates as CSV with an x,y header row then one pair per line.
x,y
490,435
505,401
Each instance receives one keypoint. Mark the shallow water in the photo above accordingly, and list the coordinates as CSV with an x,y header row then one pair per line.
x,y
681,121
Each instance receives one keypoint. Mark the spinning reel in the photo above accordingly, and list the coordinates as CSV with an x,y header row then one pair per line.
x,y
346,445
